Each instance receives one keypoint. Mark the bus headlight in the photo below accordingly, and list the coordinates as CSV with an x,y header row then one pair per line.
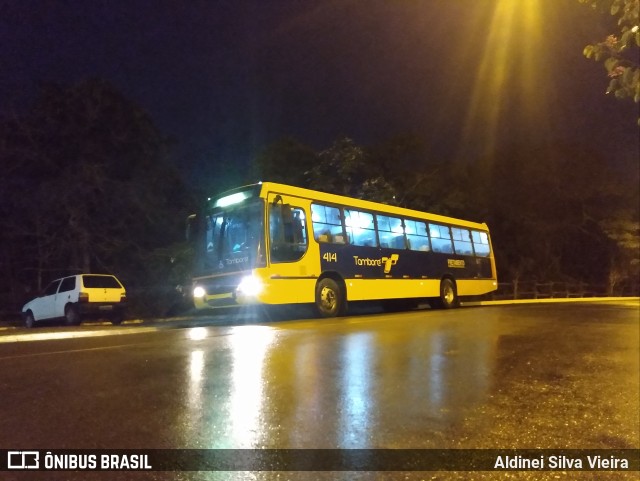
x,y
250,286
199,292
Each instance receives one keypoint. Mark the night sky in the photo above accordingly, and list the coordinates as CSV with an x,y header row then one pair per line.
x,y
226,78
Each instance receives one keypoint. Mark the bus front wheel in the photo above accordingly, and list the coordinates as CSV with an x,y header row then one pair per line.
x,y
448,294
330,298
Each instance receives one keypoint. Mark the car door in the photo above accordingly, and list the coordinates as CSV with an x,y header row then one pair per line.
x,y
44,306
64,295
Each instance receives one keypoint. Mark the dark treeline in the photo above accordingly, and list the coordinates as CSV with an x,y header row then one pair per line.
x,y
88,186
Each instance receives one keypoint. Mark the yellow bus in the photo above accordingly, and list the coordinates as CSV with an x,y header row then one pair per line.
x,y
272,244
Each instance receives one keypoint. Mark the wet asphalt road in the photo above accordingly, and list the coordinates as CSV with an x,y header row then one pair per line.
x,y
526,376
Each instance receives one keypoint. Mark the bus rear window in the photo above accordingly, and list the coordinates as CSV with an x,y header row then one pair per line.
x,y
481,243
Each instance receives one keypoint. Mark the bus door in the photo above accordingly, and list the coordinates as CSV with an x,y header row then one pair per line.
x,y
288,236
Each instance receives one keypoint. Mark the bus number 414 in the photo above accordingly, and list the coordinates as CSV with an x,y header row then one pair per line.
x,y
330,256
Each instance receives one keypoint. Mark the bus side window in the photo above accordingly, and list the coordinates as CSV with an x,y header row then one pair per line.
x,y
417,235
440,239
480,243
327,224
288,233
462,241
390,232
360,228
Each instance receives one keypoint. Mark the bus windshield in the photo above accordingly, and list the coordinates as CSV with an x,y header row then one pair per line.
x,y
234,238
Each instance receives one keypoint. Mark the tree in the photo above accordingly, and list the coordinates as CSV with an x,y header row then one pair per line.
x,y
345,169
571,229
90,187
619,52
287,161
625,262
397,171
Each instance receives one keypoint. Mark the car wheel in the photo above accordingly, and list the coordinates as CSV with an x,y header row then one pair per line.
x,y
117,318
72,315
330,298
29,320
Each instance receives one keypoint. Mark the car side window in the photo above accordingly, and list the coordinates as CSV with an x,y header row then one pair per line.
x,y
51,289
67,284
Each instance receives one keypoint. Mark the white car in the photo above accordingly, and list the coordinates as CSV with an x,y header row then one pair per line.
x,y
78,297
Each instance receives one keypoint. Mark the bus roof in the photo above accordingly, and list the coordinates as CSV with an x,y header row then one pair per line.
x,y
272,187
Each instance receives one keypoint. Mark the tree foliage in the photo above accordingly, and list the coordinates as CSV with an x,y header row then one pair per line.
x,y
619,51
346,168
89,187
389,172
276,161
547,204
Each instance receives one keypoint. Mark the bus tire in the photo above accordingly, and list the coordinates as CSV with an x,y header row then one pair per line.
x,y
448,294
330,298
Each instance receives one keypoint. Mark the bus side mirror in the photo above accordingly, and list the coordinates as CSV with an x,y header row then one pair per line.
x,y
287,214
191,228
282,212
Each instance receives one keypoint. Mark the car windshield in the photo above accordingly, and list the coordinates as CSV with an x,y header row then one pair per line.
x,y
234,238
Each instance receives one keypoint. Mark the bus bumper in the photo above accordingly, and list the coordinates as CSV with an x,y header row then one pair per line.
x,y
225,292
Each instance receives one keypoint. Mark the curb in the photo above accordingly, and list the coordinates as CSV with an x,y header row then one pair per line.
x,y
49,336
549,301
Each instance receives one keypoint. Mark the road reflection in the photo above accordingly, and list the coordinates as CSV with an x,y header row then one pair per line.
x,y
357,401
249,346
339,386
196,375
225,395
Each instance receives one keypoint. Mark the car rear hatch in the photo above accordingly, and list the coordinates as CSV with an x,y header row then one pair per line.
x,y
102,288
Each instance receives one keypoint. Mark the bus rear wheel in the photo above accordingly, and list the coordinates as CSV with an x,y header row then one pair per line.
x,y
330,298
448,294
